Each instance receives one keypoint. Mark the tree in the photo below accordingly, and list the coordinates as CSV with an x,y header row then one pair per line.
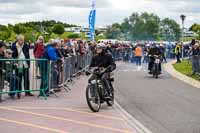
x,y
136,27
19,29
5,33
196,28
58,29
28,36
125,29
170,30
143,26
114,31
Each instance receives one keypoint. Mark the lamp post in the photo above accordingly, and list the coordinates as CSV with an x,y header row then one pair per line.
x,y
183,17
166,30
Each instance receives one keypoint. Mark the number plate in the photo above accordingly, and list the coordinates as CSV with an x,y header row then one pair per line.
x,y
157,61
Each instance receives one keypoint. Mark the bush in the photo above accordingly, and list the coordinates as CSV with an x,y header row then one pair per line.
x,y
72,36
58,29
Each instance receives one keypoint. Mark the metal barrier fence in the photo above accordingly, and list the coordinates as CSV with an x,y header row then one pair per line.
x,y
63,73
17,76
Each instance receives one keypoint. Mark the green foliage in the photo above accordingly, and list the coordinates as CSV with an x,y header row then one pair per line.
x,y
186,39
58,29
185,68
32,30
28,37
19,29
5,33
143,26
72,36
114,31
196,28
170,30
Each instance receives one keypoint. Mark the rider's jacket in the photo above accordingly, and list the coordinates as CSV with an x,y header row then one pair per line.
x,y
103,60
155,51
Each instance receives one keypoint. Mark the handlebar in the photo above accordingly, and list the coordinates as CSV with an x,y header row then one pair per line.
x,y
96,70
156,56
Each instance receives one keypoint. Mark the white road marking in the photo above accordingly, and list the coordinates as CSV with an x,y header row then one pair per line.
x,y
130,68
139,127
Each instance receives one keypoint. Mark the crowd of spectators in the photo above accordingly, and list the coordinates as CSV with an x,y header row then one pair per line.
x,y
56,50
18,70
138,52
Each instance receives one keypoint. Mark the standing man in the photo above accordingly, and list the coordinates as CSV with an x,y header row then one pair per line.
x,y
138,55
178,52
163,51
51,55
146,56
195,52
21,51
11,77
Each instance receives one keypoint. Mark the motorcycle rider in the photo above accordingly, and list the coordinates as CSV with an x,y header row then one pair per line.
x,y
105,60
154,51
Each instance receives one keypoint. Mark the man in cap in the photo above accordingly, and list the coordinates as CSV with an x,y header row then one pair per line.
x,y
11,77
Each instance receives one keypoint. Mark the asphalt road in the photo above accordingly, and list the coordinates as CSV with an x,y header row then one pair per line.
x,y
164,105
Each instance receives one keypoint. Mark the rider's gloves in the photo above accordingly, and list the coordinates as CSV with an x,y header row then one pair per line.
x,y
109,69
87,73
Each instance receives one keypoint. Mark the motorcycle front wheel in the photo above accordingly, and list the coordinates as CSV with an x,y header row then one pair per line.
x,y
93,98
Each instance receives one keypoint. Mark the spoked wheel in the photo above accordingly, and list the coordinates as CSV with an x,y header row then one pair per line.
x,y
93,98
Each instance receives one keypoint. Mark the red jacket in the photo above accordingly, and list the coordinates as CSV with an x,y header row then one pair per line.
x,y
38,51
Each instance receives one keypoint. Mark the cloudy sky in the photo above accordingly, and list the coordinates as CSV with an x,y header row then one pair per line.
x,y
108,11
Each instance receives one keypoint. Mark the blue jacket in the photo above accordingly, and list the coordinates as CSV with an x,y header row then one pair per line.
x,y
25,51
50,53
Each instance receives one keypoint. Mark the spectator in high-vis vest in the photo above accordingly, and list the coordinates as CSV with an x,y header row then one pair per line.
x,y
178,52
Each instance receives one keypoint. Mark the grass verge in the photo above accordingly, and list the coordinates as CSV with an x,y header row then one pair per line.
x,y
185,67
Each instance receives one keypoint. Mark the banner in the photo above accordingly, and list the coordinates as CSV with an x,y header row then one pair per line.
x,y
92,18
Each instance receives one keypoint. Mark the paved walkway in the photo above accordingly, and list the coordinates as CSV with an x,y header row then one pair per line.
x,y
68,113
